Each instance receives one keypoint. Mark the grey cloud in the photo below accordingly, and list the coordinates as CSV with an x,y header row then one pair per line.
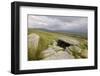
x,y
58,22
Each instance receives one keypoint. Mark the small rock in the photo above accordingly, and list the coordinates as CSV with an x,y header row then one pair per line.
x,y
75,49
48,52
84,54
67,50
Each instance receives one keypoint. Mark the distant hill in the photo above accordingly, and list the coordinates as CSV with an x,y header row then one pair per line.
x,y
71,32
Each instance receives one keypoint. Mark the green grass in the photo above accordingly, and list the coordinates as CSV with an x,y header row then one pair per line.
x,y
47,37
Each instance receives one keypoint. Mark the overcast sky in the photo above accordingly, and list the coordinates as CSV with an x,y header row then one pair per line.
x,y
66,23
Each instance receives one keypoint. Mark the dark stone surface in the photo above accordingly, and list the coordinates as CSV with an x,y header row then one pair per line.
x,y
63,44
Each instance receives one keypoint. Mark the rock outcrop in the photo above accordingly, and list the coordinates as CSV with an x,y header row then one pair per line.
x,y
59,55
55,52
33,40
59,49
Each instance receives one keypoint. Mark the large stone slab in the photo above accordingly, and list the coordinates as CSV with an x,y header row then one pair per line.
x,y
33,40
59,55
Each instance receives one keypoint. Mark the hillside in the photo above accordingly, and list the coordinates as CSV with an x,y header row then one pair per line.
x,y
43,45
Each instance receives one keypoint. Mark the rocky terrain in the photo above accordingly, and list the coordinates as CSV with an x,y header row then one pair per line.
x,y
44,45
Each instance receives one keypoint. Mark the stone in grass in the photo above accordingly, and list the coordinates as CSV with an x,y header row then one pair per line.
x,y
33,40
75,49
84,53
78,49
